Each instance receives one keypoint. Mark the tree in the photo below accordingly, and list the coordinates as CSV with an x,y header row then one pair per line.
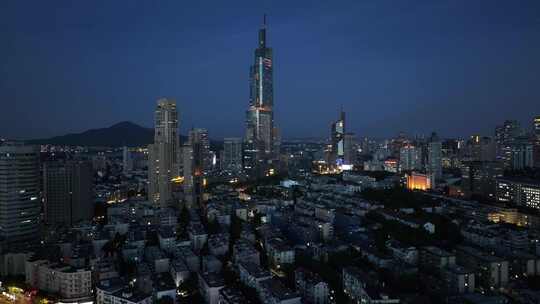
x,y
213,226
257,218
235,228
183,222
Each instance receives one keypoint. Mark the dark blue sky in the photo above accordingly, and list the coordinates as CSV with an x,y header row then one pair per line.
x,y
455,67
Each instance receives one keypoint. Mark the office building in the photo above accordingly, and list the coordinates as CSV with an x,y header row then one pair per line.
x,y
163,160
479,178
67,190
419,181
199,140
410,158
195,156
19,194
260,149
434,157
521,153
349,150
231,157
519,191
505,135
127,160
481,148
337,140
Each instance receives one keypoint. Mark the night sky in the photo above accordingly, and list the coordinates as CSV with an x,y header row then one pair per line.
x,y
455,67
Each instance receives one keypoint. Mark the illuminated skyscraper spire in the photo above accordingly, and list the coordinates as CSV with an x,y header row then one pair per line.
x,y
260,132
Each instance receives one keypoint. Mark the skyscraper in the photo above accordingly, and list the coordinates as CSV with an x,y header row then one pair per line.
x,y
199,139
195,157
67,189
504,137
231,158
260,149
349,150
338,140
434,159
163,162
19,193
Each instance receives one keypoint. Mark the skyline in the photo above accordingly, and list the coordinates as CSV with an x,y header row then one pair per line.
x,y
429,66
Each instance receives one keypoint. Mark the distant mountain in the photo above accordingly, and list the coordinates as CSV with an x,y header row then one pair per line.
x,y
121,134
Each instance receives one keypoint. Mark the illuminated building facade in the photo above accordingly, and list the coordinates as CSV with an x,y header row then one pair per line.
x,y
260,145
391,165
163,158
200,140
19,196
337,156
505,135
521,192
419,181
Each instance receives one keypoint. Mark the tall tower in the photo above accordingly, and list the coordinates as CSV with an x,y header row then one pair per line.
x,y
19,195
338,140
163,163
434,165
260,131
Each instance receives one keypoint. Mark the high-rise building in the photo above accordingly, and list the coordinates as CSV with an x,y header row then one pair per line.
x,y
521,153
19,194
259,145
536,127
67,190
481,148
231,158
195,155
349,150
410,158
338,140
163,162
505,135
434,157
200,141
479,178
536,142
127,160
